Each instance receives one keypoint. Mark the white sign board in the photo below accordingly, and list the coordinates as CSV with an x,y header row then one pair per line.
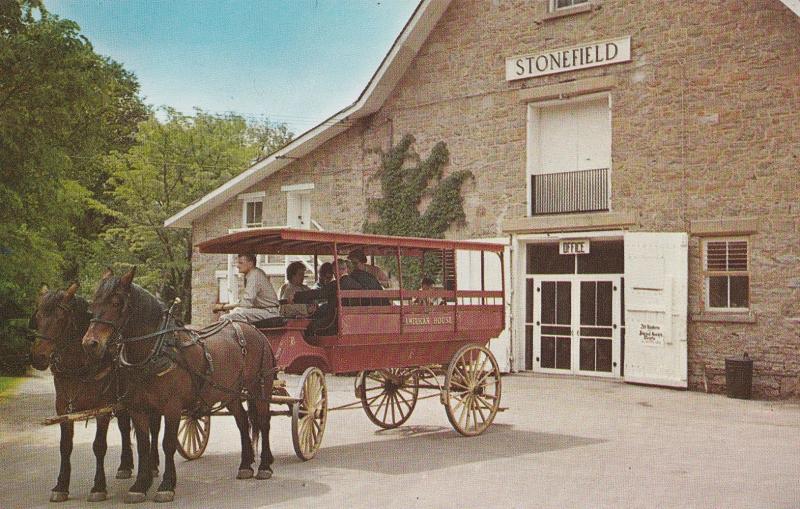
x,y
651,334
593,54
571,247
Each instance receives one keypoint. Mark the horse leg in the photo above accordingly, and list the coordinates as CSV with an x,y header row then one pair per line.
x,y
166,491
125,469
246,466
155,428
61,490
99,447
144,475
262,416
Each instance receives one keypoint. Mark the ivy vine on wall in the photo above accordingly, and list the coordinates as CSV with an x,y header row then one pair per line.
x,y
406,180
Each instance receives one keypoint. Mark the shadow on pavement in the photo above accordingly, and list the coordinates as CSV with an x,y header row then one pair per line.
x,y
207,482
425,448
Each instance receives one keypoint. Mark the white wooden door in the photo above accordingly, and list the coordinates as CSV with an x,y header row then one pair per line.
x,y
298,209
656,301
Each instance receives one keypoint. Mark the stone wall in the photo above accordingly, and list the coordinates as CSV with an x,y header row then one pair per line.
x,y
705,125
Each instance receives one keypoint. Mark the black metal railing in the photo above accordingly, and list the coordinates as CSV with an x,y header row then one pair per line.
x,y
570,191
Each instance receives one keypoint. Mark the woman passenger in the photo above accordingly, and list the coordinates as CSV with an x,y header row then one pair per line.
x,y
295,274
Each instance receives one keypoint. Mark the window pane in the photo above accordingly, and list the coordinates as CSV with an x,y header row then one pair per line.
x,y
604,355
548,347
588,303
564,303
605,257
548,302
740,291
529,301
718,291
604,298
563,346
529,347
737,255
544,259
587,354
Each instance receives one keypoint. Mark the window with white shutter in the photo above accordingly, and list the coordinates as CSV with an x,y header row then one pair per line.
x,y
726,269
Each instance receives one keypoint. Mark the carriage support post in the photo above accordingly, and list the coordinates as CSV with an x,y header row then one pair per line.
x,y
400,287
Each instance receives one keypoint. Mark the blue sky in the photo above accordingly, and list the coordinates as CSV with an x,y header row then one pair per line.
x,y
293,61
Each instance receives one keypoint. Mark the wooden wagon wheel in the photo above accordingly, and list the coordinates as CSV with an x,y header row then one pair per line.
x,y
310,414
388,396
193,436
472,390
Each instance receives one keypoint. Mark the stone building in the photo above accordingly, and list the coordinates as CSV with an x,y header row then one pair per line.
x,y
641,159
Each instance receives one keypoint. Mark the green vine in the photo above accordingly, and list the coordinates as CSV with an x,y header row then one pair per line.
x,y
403,188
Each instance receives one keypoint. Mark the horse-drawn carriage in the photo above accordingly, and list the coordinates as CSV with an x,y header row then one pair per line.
x,y
404,345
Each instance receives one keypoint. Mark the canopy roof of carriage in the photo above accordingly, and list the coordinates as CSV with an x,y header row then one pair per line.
x,y
277,240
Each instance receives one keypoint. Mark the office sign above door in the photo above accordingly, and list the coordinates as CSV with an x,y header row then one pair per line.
x,y
593,54
573,247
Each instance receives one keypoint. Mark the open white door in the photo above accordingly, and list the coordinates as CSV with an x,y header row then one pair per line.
x,y
656,301
468,277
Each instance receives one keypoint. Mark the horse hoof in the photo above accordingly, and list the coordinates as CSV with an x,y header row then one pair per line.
x,y
164,496
245,473
124,473
133,497
97,496
264,474
59,496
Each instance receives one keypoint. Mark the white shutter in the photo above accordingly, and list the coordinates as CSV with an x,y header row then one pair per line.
x,y
593,137
557,139
656,301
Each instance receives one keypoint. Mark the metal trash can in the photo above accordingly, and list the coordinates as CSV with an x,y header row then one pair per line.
x,y
739,376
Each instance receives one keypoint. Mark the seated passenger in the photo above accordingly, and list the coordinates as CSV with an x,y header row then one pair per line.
x,y
324,321
358,258
427,284
325,275
295,273
365,278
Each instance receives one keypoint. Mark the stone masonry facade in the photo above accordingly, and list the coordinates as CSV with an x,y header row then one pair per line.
x,y
705,126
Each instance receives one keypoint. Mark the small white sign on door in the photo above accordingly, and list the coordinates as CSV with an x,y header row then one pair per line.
x,y
651,334
571,247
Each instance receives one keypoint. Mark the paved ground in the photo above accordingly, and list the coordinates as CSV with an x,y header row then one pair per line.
x,y
563,443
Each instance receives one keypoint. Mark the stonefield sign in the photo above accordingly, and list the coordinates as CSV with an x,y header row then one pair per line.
x,y
559,60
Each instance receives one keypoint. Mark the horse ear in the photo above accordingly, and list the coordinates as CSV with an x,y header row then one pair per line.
x,y
127,279
70,293
107,273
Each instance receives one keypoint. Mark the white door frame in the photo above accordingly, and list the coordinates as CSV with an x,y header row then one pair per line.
x,y
519,275
575,301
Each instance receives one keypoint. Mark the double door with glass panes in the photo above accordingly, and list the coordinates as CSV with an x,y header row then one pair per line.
x,y
576,324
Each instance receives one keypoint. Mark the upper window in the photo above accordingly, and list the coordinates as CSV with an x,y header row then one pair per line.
x,y
565,4
726,269
253,210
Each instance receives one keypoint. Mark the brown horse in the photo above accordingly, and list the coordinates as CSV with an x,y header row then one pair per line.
x,y
61,319
170,369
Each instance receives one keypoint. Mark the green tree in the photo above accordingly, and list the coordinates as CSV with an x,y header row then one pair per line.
x,y
62,107
173,163
405,181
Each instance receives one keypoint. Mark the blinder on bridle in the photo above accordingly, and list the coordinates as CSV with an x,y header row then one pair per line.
x,y
38,335
116,330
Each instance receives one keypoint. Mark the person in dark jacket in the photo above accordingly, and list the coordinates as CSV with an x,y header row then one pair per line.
x,y
365,278
323,321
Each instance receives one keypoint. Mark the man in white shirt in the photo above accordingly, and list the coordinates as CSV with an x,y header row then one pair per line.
x,y
259,301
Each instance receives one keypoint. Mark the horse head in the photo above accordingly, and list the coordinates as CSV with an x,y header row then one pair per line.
x,y
57,320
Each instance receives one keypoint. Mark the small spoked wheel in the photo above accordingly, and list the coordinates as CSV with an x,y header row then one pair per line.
x,y
310,414
472,390
388,396
193,436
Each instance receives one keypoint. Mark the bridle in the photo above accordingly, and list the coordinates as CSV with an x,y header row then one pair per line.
x,y
116,329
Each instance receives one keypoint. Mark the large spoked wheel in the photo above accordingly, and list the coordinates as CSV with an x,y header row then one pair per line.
x,y
388,396
310,414
472,390
193,436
